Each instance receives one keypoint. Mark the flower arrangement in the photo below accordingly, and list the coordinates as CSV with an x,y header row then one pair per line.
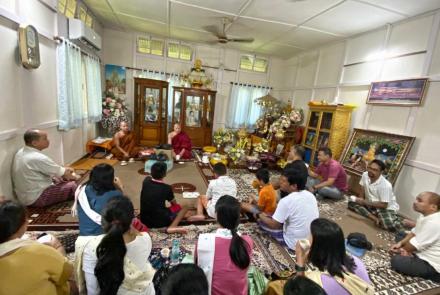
x,y
237,152
223,136
279,126
114,110
261,147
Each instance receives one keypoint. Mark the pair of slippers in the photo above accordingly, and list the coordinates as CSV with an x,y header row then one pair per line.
x,y
124,163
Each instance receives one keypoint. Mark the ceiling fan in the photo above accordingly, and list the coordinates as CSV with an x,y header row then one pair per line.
x,y
221,34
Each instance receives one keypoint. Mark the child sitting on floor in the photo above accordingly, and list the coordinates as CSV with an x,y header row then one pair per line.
x,y
267,197
155,192
221,185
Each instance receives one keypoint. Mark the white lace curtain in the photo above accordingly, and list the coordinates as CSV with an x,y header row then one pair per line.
x,y
93,86
70,103
242,110
76,71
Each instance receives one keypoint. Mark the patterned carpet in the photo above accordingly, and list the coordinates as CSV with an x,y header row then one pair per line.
x,y
377,261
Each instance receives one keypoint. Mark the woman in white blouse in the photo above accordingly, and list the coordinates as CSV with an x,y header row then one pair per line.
x,y
116,262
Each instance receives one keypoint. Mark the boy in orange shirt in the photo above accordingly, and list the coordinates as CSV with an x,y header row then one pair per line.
x,y
267,197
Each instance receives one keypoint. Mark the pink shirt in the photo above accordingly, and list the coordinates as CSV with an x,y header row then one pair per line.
x,y
227,278
333,170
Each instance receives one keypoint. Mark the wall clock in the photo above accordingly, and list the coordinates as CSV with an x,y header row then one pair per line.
x,y
29,47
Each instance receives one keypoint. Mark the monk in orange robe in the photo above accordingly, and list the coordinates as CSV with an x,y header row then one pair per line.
x,y
124,144
180,142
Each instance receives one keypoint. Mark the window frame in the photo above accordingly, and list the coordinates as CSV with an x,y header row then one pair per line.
x,y
180,44
150,39
254,57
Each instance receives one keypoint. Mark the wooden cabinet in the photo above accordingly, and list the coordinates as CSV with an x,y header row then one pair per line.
x,y
193,109
150,111
327,126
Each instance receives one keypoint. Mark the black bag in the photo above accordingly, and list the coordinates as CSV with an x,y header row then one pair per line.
x,y
359,240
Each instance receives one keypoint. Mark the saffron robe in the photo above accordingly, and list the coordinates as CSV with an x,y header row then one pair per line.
x,y
128,144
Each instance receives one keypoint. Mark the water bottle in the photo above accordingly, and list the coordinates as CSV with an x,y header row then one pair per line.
x,y
175,250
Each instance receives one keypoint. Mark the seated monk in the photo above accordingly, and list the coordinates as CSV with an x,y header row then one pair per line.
x,y
124,144
181,143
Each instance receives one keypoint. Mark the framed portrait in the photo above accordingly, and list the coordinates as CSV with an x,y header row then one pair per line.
x,y
367,145
399,92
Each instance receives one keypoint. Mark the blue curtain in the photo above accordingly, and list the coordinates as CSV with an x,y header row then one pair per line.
x,y
70,103
242,110
93,86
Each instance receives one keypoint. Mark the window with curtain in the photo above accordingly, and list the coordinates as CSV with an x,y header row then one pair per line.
x,y
242,111
70,104
92,71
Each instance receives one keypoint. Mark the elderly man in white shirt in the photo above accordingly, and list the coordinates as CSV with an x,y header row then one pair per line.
x,y
221,186
418,254
376,199
38,181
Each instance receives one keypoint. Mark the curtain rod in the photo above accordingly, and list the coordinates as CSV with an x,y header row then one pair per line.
x,y
61,39
150,71
250,85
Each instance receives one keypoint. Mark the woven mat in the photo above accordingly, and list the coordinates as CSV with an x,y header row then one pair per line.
x,y
88,163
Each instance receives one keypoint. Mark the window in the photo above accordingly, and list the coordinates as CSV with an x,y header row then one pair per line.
x,y
150,46
70,9
253,63
180,51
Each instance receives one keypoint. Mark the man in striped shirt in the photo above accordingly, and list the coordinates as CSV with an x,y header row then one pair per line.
x,y
376,199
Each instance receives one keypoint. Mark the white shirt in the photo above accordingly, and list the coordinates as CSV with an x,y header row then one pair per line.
x,y
427,239
224,185
379,191
296,212
32,173
138,252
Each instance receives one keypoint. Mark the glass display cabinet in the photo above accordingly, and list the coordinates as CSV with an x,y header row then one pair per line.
x,y
150,111
327,126
193,109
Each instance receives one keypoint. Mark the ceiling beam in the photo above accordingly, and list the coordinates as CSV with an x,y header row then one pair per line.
x,y
115,15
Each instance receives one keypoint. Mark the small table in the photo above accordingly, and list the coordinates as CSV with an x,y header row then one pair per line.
x,y
91,146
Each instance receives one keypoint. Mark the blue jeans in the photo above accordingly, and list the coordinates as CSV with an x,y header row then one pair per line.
x,y
330,192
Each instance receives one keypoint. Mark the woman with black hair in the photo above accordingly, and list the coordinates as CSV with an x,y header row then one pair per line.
x,y
185,279
225,255
335,270
92,197
26,266
116,262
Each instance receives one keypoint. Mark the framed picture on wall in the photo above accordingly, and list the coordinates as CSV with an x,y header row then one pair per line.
x,y
398,93
367,145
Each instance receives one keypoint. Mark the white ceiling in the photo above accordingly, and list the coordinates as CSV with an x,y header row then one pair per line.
x,y
280,27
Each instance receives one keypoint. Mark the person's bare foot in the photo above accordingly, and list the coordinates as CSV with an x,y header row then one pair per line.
x,y
196,218
177,230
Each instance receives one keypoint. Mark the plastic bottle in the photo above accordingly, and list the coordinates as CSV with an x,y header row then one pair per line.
x,y
175,251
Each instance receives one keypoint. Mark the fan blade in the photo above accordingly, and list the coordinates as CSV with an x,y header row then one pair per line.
x,y
214,30
242,40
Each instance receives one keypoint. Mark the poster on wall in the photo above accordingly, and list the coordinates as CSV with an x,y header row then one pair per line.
x,y
367,145
115,79
398,93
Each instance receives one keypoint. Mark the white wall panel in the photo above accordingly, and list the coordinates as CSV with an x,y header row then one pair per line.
x,y
330,64
410,36
403,67
361,73
8,5
252,78
388,119
307,69
409,184
38,15
435,64
364,47
118,47
426,128
301,99
327,94
357,96
10,112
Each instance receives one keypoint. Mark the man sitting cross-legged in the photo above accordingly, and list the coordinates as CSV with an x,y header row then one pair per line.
x,y
124,141
294,212
38,180
154,195
267,196
418,254
333,181
376,199
222,185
